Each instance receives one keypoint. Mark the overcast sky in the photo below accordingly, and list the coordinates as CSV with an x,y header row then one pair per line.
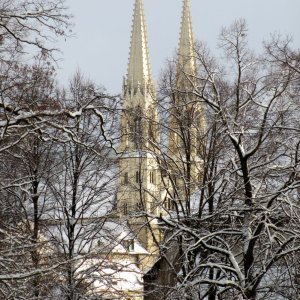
x,y
102,27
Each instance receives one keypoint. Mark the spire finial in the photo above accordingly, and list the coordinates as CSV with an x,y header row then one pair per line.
x,y
139,73
186,55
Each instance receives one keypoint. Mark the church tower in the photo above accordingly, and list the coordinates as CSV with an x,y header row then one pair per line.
x,y
182,163
138,190
186,121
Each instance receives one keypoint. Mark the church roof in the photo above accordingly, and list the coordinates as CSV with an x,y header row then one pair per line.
x,y
139,72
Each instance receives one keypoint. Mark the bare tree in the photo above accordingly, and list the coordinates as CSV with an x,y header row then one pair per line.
x,y
26,26
240,238
56,158
83,189
34,150
25,171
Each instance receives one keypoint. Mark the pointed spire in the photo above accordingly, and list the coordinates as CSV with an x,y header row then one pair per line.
x,y
139,73
186,58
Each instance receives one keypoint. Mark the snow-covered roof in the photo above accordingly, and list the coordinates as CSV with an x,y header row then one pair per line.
x,y
95,236
113,279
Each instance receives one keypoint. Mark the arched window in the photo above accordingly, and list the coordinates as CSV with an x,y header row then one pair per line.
x,y
137,130
137,126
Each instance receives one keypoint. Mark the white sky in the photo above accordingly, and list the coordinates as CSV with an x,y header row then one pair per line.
x,y
101,46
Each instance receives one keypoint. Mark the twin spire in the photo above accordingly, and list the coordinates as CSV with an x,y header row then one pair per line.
x,y
139,76
186,56
139,73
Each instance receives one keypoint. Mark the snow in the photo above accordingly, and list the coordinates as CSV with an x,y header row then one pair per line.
x,y
114,279
99,236
100,256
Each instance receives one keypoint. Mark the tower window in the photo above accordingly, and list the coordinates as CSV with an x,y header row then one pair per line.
x,y
139,206
126,135
168,204
126,179
137,177
151,131
125,208
152,177
137,130
137,125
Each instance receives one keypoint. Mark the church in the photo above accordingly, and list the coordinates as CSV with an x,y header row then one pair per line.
x,y
153,183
